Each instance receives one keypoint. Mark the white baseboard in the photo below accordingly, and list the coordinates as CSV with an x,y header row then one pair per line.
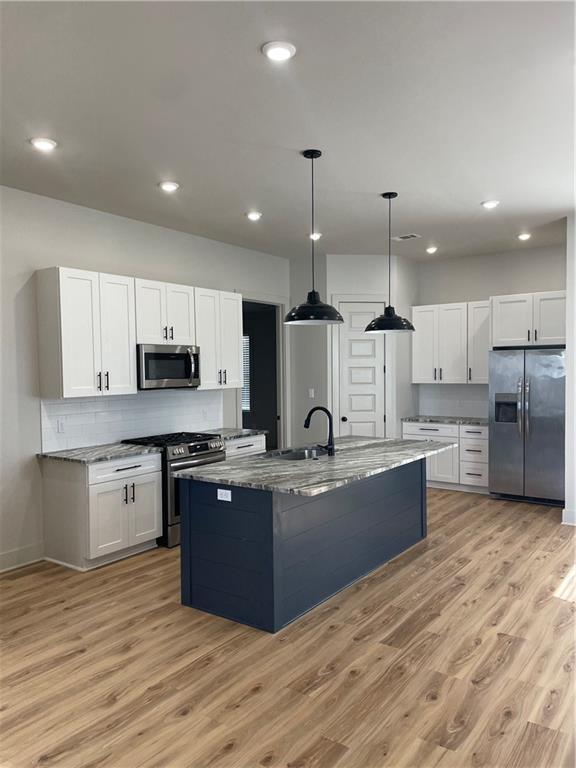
x,y
16,558
568,516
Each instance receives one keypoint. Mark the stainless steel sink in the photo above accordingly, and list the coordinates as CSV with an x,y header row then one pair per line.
x,y
298,454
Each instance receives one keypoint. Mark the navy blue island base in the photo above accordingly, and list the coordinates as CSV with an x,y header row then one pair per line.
x,y
264,558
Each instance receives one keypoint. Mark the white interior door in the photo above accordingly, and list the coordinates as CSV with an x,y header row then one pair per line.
x,y
118,333
550,317
231,339
151,323
180,314
208,337
452,343
425,345
80,326
146,507
512,320
478,341
109,529
362,377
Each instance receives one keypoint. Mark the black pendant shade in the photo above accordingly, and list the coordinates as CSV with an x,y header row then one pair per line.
x,y
313,311
389,322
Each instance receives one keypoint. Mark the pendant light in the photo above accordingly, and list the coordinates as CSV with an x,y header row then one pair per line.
x,y
313,311
389,322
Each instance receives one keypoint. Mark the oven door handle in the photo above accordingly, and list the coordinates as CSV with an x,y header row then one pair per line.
x,y
175,465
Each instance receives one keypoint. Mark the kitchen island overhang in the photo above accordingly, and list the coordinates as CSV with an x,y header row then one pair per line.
x,y
263,544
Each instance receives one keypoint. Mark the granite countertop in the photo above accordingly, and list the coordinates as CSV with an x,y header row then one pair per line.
x,y
476,421
95,453
233,433
357,458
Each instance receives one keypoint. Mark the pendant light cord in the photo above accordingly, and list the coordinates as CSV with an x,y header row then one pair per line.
x,y
313,230
389,251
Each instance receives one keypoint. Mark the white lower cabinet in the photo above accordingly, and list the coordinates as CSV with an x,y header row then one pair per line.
x,y
101,512
245,446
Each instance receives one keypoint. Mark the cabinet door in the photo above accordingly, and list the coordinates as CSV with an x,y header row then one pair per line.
x,y
145,507
430,459
478,341
151,324
108,527
118,334
231,339
208,337
445,466
512,320
80,330
424,345
180,314
452,343
550,317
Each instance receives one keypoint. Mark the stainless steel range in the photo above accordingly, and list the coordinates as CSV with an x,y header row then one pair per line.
x,y
182,450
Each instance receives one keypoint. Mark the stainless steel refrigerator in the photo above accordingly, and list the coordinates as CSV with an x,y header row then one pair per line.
x,y
526,423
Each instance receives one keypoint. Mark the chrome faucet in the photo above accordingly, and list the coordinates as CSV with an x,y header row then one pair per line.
x,y
329,447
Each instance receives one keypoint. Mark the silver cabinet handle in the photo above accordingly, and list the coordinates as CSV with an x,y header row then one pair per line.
x,y
527,406
519,407
133,499
125,494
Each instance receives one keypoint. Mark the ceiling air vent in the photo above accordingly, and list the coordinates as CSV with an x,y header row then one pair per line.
x,y
401,238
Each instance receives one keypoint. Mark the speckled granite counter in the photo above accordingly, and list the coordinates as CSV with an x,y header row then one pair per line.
x,y
233,433
95,453
476,421
356,458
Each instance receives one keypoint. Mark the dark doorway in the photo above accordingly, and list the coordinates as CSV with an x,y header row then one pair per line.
x,y
260,390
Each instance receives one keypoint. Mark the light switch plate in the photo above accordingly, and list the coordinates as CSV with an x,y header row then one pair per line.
x,y
224,495
311,393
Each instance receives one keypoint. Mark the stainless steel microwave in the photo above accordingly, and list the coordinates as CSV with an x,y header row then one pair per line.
x,y
168,366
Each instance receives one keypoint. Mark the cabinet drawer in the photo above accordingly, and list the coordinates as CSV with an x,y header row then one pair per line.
x,y
474,450
245,446
429,430
469,430
104,471
472,473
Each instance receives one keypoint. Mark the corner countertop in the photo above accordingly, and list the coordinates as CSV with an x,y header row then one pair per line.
x,y
357,458
476,421
234,433
92,454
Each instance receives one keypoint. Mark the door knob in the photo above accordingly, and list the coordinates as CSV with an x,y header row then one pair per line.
x,y
344,418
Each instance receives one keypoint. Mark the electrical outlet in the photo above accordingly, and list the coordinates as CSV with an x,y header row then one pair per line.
x,y
311,393
61,425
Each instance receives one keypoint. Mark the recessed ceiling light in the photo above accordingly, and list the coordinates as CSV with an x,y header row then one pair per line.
x,y
254,215
278,50
489,204
315,235
43,144
524,236
169,186
432,249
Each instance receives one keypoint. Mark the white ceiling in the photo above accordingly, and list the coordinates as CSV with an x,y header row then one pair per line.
x,y
447,103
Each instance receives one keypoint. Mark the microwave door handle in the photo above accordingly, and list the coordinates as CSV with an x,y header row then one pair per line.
x,y
192,365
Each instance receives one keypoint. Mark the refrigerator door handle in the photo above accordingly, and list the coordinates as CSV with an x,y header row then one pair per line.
x,y
519,408
527,407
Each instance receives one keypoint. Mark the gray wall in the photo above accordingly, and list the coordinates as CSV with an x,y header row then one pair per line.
x,y
40,232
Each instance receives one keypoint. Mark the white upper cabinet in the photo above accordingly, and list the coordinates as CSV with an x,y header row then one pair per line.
x,y
86,328
529,319
439,344
452,343
550,317
424,343
164,313
478,341
512,320
118,334
219,336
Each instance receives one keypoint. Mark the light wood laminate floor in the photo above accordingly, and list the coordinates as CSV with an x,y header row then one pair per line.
x,y
459,653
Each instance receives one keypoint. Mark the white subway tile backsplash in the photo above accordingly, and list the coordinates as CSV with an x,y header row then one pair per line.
x,y
453,400
99,420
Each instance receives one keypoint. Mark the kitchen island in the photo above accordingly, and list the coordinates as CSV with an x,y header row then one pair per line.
x,y
265,539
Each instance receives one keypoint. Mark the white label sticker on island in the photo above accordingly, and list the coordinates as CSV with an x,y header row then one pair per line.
x,y
224,495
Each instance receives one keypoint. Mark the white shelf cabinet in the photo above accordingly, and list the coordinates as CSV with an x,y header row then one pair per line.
x,y
219,336
87,333
101,512
529,319
439,348
478,341
165,313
